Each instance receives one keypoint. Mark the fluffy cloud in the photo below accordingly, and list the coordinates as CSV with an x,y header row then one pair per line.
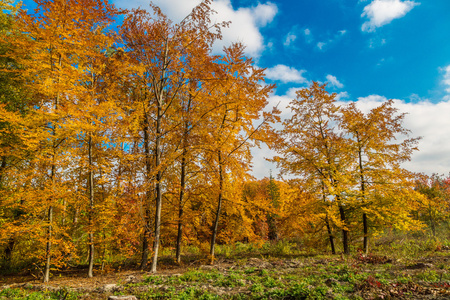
x,y
245,26
285,74
341,96
320,45
446,80
332,80
425,119
382,12
291,37
261,167
263,14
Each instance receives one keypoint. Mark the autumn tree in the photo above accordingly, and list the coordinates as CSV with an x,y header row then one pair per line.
x,y
96,119
164,55
15,105
267,201
243,96
434,206
65,40
49,48
312,149
377,157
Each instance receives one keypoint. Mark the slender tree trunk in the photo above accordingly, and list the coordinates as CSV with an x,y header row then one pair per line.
x,y
63,220
363,196
11,240
8,251
181,205
48,247
183,180
219,207
91,209
366,234
159,116
2,169
49,244
104,251
52,179
330,235
148,197
327,222
158,186
344,231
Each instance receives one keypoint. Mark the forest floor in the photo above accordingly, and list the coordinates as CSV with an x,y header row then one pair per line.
x,y
258,277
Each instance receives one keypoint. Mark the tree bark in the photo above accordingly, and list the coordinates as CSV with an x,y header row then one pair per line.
x,y
330,235
327,221
219,207
366,234
148,196
180,207
48,245
52,179
363,195
11,240
344,231
158,185
91,209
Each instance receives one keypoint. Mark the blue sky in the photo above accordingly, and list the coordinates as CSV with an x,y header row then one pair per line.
x,y
367,50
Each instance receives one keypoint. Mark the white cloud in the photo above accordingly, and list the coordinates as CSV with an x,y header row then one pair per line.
x,y
336,37
291,37
245,26
285,74
308,35
423,118
427,120
382,12
320,45
446,80
264,13
291,93
341,96
261,167
334,82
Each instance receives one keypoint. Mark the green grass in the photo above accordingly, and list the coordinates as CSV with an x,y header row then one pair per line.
x,y
284,271
22,294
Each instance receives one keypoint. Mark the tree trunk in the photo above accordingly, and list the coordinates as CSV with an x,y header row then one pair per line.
x,y
219,207
11,240
327,221
366,234
158,186
49,245
272,224
344,231
148,197
52,179
180,207
8,251
363,195
330,235
91,209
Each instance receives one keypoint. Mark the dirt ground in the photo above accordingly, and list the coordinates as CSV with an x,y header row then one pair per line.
x,y
376,277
